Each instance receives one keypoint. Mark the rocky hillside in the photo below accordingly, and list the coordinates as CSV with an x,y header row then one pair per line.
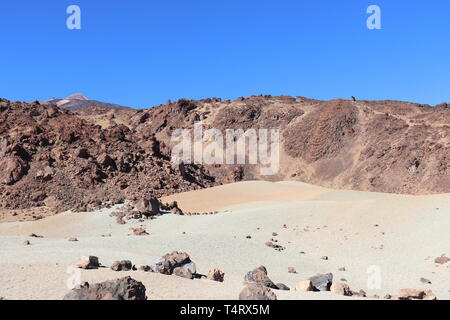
x,y
384,146
95,156
78,102
51,157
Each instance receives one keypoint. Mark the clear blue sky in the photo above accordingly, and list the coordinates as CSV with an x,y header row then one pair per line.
x,y
142,52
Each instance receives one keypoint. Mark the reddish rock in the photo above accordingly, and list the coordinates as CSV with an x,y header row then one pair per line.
x,y
442,259
255,291
123,265
215,275
341,289
13,169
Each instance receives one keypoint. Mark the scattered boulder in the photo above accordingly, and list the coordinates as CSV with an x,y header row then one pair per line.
x,y
123,265
360,293
72,239
292,270
277,247
282,286
215,275
409,294
138,267
255,291
324,258
322,282
140,232
429,295
167,263
442,259
120,289
90,262
341,289
147,207
26,243
259,276
269,244
304,286
426,281
413,294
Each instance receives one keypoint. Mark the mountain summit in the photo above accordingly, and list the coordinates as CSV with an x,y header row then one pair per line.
x,y
77,96
78,101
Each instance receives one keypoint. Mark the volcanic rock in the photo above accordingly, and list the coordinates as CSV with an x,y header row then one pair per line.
x,y
282,286
341,289
120,289
167,263
90,262
322,282
182,272
123,265
442,259
215,275
255,291
304,286
259,276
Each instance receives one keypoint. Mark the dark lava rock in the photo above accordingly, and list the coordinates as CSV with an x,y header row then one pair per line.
x,y
120,289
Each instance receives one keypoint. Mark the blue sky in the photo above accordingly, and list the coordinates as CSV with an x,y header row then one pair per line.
x,y
141,53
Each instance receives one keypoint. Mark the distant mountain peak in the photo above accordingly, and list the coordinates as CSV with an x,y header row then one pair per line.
x,y
78,101
77,96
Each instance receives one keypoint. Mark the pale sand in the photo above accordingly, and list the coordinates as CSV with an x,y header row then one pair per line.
x,y
320,222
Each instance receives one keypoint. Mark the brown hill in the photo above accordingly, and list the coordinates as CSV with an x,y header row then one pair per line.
x,y
51,157
385,146
97,156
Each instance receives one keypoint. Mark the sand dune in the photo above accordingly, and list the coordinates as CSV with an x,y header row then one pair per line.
x,y
399,235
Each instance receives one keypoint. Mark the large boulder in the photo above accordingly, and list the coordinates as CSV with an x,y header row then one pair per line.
x,y
304,286
413,294
282,286
123,265
120,289
322,282
90,262
167,263
12,170
341,289
259,276
253,291
147,207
